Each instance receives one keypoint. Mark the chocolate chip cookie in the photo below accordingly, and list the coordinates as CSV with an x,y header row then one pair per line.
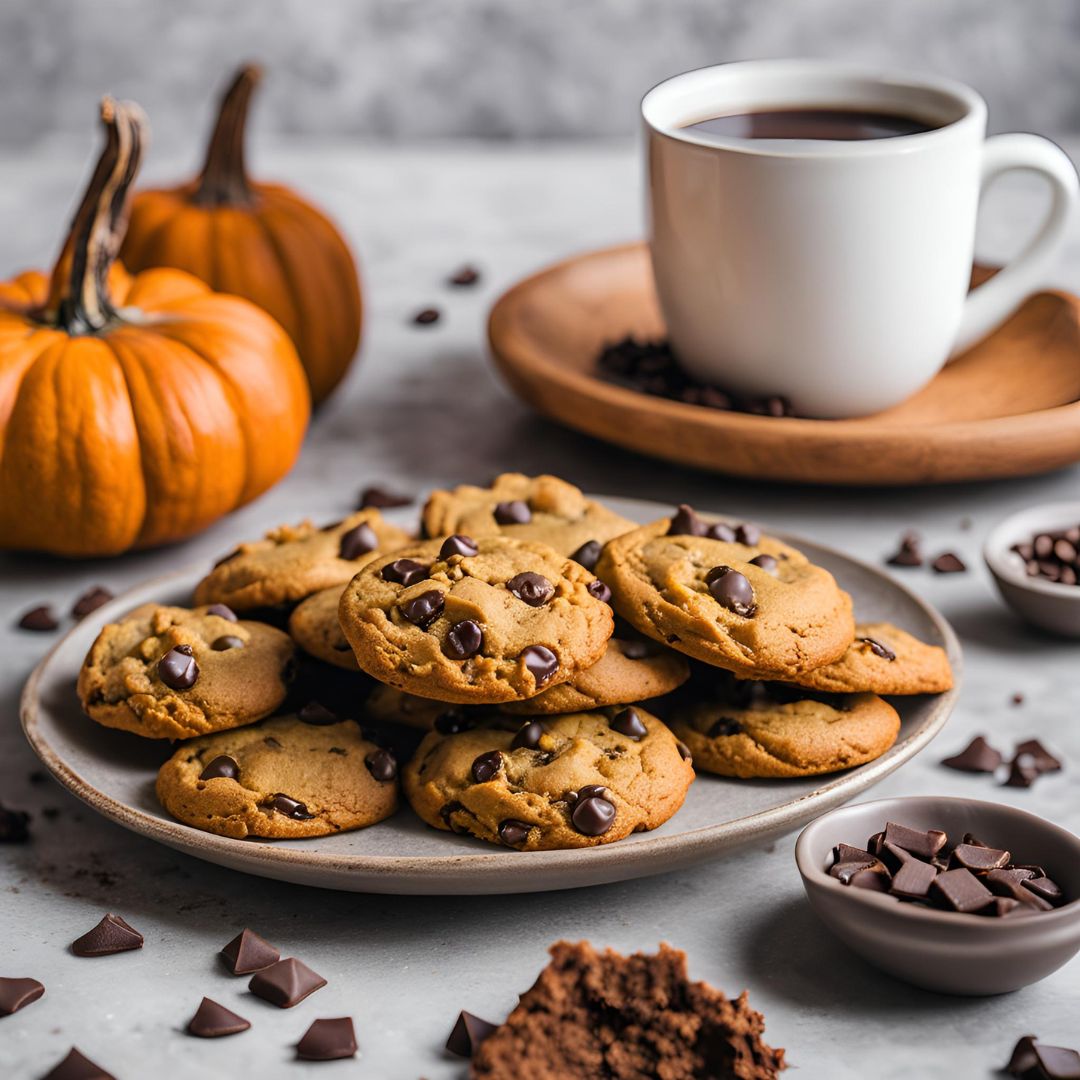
x,y
744,602
567,781
475,621
314,626
294,561
542,508
173,673
769,737
884,659
281,779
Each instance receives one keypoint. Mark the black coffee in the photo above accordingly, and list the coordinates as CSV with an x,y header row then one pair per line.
x,y
845,125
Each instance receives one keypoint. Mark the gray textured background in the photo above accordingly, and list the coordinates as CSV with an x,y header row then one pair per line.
x,y
496,68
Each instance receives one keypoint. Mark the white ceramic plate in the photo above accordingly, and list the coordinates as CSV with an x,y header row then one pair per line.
x,y
114,772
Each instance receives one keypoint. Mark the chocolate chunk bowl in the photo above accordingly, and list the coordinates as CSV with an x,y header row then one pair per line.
x,y
931,920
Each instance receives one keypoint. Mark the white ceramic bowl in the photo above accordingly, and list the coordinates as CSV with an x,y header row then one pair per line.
x,y
1042,603
974,955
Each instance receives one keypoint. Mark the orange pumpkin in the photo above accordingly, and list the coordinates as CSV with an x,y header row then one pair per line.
x,y
134,410
259,241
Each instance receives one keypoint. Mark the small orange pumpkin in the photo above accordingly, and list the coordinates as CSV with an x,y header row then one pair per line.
x,y
134,410
259,241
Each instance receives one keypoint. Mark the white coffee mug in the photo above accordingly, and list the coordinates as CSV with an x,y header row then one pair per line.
x,y
833,274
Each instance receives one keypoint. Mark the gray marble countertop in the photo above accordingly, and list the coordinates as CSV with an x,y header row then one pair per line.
x,y
422,407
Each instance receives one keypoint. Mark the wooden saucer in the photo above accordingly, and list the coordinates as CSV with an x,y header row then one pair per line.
x,y
1008,407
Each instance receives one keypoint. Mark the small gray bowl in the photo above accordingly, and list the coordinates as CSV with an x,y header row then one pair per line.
x,y
973,955
1042,603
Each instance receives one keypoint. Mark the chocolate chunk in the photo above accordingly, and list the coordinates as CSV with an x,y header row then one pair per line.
x,y
514,512
426,317
592,815
177,668
532,589
286,983
848,861
750,535
909,553
1010,882
721,531
463,278
226,642
724,726
1017,699
463,640
40,619
359,540
767,563
599,591
111,935
913,878
1023,1056
980,858
248,952
290,807
871,878
453,722
211,1021
424,609
960,890
14,826
458,544
328,1040
1002,907
540,662
1041,758
629,723
318,715
978,757
91,600
685,522
381,499
486,766
1021,774
16,994
469,1032
222,611
948,563
222,767
77,1066
588,554
878,649
731,590
528,736
1049,890
1057,1062
382,765
513,832
404,572
923,844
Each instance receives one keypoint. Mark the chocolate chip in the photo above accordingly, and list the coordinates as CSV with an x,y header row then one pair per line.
x,y
767,563
328,1040
849,861
426,317
272,742
359,540
469,1032
1040,758
731,590
978,756
226,642
1010,882
111,935
177,668
1017,699
14,826
540,662
453,723
599,591
248,952
381,499
40,619
532,589
871,878
513,832
915,841
979,857
466,276
685,522
960,890
749,535
486,766
909,553
290,807
528,736
16,994
725,726
222,611
588,555
1042,886
684,750
948,563
318,715
878,649
76,1066
514,512
286,983
1021,774
211,1021
463,640
404,572
458,544
592,815
1057,1062
722,531
91,600
424,609
382,765
222,767
913,878
1023,1056
629,723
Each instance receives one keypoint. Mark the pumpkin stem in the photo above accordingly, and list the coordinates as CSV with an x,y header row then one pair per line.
x,y
79,299
223,180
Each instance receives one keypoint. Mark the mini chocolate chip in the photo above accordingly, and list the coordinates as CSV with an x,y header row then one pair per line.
x,y
599,591
878,649
222,767
588,554
514,512
684,750
767,563
747,534
458,544
528,736
592,815
463,278
731,590
424,609
222,611
486,766
532,589
453,723
382,765
177,668
513,832
463,640
381,499
540,662
290,807
725,726
226,642
426,317
359,540
630,724
91,600
317,714
404,572
40,619
685,522
909,553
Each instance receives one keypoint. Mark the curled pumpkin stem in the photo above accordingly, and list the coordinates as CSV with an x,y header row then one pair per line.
x,y
79,299
223,180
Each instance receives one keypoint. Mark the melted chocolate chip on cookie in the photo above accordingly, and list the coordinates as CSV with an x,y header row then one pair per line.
x,y
528,736
463,640
513,832
290,807
226,642
359,540
222,767
514,512
540,662
588,554
382,765
404,572
458,544
731,590
630,724
532,589
487,766
177,668
424,609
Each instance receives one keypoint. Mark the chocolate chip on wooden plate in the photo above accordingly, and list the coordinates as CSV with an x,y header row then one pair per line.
x,y
248,952
212,1021
40,619
468,1033
328,1040
90,601
286,983
111,935
16,994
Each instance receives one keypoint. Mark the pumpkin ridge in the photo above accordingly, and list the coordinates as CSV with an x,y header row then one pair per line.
x,y
296,300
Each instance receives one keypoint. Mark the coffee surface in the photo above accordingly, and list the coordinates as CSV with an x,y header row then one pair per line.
x,y
845,125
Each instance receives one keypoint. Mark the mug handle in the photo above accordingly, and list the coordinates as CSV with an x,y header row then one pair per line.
x,y
993,302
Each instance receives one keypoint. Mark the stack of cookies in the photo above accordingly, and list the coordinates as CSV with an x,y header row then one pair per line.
x,y
520,638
